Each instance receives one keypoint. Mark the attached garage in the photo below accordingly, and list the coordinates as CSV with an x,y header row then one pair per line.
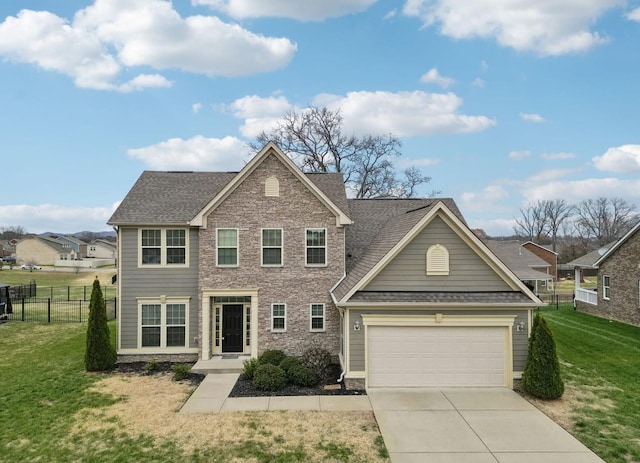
x,y
438,351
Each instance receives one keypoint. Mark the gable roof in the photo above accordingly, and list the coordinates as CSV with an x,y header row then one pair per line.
x,y
545,248
588,260
53,243
398,231
519,259
614,247
271,149
176,198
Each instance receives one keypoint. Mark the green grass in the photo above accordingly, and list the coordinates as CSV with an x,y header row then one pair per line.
x,y
53,278
601,360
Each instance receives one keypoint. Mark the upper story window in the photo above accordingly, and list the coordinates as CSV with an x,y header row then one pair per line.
x,y
606,287
272,247
163,246
227,247
316,247
437,260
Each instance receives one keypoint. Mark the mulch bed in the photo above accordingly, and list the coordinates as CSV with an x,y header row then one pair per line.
x,y
161,368
244,388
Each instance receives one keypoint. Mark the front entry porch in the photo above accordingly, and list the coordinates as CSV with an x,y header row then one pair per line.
x,y
221,364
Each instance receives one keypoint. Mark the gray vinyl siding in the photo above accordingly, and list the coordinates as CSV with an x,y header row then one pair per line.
x,y
520,339
154,282
467,271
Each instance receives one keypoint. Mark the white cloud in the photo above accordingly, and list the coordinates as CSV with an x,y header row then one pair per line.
x,y
485,199
111,37
493,227
574,191
308,10
391,14
432,76
519,155
625,158
478,82
196,107
532,117
197,153
259,114
404,114
547,28
484,66
405,162
557,156
634,15
548,175
56,218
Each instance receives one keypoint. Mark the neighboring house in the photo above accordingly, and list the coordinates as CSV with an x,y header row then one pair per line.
x,y
549,256
8,248
102,249
531,269
618,292
399,290
43,250
78,245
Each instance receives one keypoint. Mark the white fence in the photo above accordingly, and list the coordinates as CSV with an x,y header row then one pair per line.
x,y
86,263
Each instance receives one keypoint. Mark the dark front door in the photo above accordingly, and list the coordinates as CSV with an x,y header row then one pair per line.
x,y
232,328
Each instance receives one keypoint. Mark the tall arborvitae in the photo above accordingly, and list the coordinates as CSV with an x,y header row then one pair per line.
x,y
541,377
100,354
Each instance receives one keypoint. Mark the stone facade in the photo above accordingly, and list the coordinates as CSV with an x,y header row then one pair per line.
x,y
623,269
296,208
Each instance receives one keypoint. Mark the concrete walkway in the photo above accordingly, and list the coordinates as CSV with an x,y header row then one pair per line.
x,y
212,396
466,425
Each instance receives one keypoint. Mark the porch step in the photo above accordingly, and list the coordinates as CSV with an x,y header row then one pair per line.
x,y
221,364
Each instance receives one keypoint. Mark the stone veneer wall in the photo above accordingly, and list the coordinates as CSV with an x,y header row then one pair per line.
x,y
249,210
623,268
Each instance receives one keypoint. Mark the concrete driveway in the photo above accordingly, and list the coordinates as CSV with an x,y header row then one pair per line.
x,y
465,425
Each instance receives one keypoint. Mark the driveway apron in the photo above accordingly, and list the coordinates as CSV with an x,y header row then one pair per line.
x,y
469,425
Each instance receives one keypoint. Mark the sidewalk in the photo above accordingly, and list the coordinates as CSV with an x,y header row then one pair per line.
x,y
212,396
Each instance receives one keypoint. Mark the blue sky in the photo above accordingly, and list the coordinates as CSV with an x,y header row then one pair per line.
x,y
501,102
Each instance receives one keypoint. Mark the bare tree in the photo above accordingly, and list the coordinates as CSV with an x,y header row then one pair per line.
x,y
604,220
12,232
556,212
532,226
315,140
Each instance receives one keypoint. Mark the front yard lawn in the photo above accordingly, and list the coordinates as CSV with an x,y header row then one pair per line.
x,y
600,362
52,410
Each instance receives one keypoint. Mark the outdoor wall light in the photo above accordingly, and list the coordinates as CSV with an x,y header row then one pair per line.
x,y
356,325
520,326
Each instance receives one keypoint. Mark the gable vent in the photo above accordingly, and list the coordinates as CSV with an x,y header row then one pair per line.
x,y
437,260
272,187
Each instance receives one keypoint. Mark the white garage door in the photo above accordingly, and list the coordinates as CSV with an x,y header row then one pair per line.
x,y
426,356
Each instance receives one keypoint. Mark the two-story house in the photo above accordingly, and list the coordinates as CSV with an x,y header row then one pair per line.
x,y
400,291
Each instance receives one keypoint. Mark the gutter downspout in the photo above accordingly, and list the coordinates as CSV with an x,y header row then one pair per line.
x,y
335,302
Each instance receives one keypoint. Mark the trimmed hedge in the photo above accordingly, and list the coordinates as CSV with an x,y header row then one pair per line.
x,y
269,377
249,367
541,376
274,357
318,360
301,376
290,362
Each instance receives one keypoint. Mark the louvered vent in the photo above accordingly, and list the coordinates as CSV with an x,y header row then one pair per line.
x,y
272,187
437,260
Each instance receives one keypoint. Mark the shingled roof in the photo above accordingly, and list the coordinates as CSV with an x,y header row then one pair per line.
x,y
174,198
519,259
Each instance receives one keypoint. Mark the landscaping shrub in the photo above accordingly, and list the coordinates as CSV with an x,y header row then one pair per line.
x,y
269,377
301,376
100,355
318,360
289,362
152,365
274,357
180,371
249,367
541,376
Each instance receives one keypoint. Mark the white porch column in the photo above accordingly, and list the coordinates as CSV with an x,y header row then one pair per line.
x,y
206,323
254,325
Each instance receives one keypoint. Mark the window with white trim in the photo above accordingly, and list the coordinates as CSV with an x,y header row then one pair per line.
x,y
227,247
606,287
316,247
278,317
163,246
317,317
437,260
271,247
163,324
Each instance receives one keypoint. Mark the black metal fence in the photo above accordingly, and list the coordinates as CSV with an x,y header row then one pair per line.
x,y
556,298
67,293
49,310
